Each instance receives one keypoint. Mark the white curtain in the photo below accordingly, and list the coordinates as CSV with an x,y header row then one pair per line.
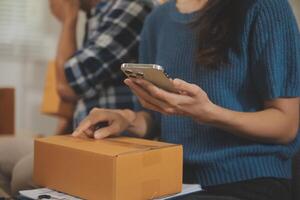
x,y
28,37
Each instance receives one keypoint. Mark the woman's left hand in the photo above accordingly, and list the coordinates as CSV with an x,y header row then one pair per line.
x,y
190,101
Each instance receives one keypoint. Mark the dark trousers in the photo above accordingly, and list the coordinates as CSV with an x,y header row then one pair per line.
x,y
257,189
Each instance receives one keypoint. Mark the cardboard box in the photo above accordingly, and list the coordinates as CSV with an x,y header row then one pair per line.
x,y
112,169
7,110
52,103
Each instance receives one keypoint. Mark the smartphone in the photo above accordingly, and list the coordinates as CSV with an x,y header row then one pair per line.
x,y
150,72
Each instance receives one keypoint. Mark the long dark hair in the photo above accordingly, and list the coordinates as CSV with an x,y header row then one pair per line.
x,y
217,26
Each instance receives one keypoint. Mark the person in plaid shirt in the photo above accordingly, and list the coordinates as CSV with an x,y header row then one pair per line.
x,y
91,76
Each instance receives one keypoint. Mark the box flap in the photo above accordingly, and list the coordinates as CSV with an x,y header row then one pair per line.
x,y
110,146
142,142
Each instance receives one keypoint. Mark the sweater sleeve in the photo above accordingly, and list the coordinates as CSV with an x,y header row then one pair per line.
x,y
275,51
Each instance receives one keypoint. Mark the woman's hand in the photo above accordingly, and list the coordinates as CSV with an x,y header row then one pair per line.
x,y
65,10
117,122
191,100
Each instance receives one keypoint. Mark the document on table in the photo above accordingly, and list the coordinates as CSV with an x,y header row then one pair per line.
x,y
45,193
51,194
186,189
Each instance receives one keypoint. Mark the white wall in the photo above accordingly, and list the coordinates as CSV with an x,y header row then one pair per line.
x,y
28,38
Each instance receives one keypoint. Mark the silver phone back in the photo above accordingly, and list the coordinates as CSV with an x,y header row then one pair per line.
x,y
150,72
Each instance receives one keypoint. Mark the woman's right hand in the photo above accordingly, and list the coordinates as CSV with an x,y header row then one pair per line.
x,y
117,122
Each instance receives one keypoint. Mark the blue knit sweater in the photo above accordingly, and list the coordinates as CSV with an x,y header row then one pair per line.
x,y
266,67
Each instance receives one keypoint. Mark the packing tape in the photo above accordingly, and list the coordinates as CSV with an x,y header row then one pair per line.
x,y
128,144
111,141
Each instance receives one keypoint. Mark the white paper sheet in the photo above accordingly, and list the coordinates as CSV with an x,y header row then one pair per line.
x,y
34,194
186,189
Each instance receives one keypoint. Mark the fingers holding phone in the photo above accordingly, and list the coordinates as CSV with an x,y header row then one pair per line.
x,y
145,97
188,100
155,98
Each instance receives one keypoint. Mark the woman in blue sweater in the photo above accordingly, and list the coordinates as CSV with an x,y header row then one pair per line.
x,y
237,116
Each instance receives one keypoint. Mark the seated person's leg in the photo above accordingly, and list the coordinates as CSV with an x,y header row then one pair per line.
x,y
12,150
22,175
4,185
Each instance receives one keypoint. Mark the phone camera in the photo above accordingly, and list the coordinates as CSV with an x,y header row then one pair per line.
x,y
140,75
132,75
167,75
127,71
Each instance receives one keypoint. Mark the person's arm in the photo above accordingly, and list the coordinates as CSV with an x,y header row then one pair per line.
x,y
66,48
66,12
64,126
141,124
138,123
277,123
115,41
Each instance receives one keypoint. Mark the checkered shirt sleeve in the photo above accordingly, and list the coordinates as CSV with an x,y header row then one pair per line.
x,y
115,40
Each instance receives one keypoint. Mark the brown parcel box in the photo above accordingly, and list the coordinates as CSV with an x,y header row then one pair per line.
x,y
111,169
51,103
7,111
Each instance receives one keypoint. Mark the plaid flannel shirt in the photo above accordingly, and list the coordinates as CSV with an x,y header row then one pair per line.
x,y
112,37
